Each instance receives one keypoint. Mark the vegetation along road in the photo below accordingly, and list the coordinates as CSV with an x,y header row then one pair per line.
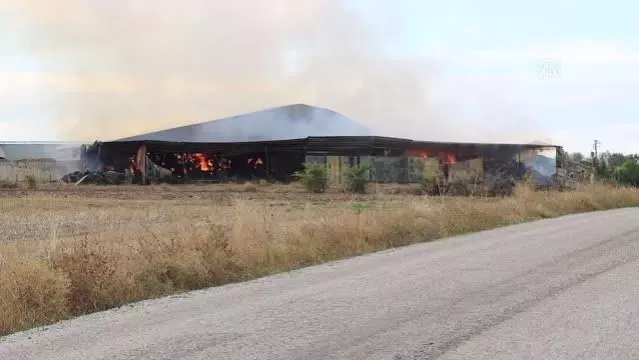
x,y
562,288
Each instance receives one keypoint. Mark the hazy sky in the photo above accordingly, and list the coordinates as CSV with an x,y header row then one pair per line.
x,y
447,70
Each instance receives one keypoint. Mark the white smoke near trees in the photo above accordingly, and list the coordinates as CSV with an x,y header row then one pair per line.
x,y
126,67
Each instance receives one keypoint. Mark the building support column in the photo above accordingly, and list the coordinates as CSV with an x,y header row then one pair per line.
x,y
267,163
140,163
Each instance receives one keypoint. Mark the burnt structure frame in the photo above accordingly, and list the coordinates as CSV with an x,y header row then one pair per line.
x,y
322,146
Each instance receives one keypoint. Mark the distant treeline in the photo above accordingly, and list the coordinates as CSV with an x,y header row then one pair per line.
x,y
621,168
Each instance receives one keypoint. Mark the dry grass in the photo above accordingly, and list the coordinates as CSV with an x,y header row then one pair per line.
x,y
65,253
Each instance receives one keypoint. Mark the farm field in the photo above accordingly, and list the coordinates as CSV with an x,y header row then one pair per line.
x,y
67,250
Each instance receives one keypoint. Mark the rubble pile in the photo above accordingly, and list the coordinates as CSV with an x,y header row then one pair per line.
x,y
99,177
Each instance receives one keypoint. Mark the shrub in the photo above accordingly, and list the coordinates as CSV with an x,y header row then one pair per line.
x,y
355,179
314,178
528,178
31,181
431,186
33,293
460,188
627,174
4,184
248,187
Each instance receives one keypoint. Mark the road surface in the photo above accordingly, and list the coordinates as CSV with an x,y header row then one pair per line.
x,y
565,288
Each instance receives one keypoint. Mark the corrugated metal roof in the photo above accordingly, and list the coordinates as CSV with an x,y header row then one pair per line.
x,y
314,144
280,123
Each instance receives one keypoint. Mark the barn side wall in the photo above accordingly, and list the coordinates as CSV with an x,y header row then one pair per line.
x,y
405,169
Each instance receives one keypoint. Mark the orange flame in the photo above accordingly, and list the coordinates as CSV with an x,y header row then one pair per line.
x,y
255,163
205,163
450,159
446,158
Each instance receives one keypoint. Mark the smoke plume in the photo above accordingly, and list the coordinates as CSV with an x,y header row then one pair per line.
x,y
126,67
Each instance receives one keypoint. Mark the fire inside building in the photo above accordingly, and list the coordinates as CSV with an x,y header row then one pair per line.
x,y
275,143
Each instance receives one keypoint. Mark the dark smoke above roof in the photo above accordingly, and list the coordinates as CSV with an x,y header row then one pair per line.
x,y
280,123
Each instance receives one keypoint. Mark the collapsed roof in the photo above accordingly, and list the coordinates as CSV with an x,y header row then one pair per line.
x,y
280,123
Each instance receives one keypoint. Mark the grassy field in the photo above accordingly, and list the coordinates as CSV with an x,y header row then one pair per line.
x,y
67,250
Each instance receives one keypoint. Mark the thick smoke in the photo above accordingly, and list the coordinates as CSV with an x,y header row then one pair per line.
x,y
282,123
127,67
542,164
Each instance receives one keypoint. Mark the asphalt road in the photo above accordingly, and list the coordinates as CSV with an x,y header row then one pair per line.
x,y
564,288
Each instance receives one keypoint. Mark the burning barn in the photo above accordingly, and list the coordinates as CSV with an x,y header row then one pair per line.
x,y
275,143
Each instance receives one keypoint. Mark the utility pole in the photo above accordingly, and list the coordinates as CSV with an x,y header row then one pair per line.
x,y
595,146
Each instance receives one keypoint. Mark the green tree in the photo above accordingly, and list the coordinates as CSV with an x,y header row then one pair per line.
x,y
617,159
603,169
628,173
576,157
